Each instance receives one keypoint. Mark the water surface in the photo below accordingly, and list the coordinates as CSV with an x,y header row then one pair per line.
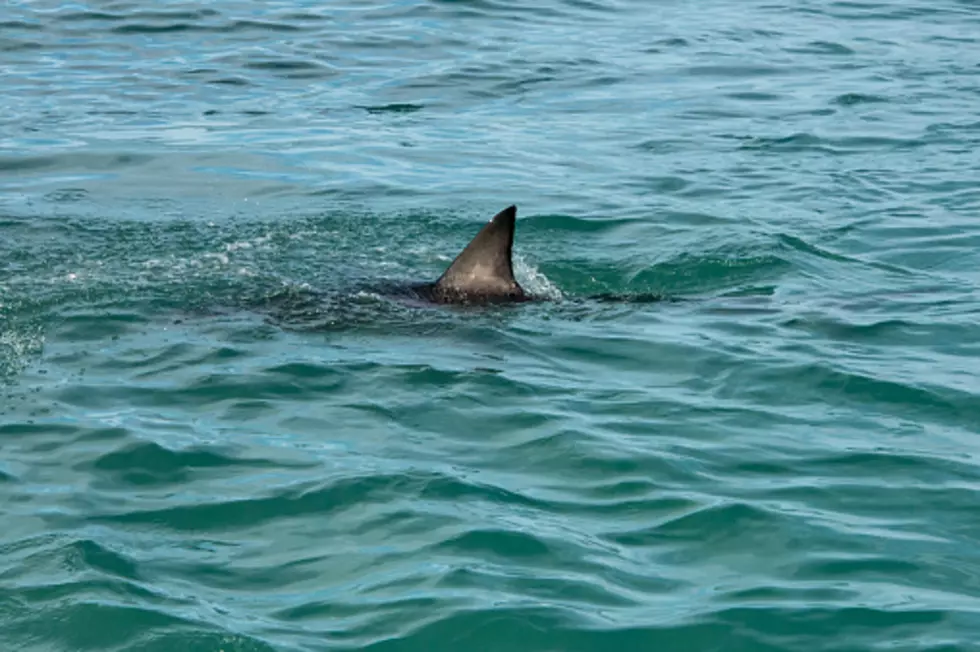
x,y
194,455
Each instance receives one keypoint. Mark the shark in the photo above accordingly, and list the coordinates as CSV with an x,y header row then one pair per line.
x,y
481,275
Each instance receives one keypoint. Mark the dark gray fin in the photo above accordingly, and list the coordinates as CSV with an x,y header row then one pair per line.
x,y
484,270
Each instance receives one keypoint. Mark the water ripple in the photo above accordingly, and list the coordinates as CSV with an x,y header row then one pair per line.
x,y
745,418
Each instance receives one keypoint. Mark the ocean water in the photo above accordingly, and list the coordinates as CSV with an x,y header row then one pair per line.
x,y
213,438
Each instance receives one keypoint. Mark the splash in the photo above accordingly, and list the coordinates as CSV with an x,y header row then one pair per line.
x,y
534,281
18,345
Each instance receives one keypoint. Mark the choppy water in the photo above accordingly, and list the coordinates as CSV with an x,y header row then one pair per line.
x,y
784,460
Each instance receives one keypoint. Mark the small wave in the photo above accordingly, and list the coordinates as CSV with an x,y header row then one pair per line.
x,y
293,68
854,99
838,146
145,464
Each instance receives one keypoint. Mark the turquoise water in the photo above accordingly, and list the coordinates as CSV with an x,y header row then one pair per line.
x,y
198,453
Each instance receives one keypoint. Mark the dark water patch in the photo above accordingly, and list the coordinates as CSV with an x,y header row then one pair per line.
x,y
740,521
608,504
696,219
729,72
857,568
824,47
674,42
393,108
21,24
283,504
138,24
10,45
856,11
754,96
705,115
233,81
838,146
306,16
661,146
263,25
443,487
574,223
293,69
665,185
853,99
951,39
593,6
793,143
97,557
896,332
89,162
154,28
90,15
33,430
24,163
175,15
769,595
492,9
150,464
501,545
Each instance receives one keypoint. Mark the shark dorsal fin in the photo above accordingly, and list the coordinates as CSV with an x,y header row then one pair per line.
x,y
484,268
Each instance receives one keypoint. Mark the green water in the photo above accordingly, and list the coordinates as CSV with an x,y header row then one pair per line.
x,y
214,438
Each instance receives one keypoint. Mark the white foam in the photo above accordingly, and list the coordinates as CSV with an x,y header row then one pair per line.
x,y
221,258
234,246
533,280
17,347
